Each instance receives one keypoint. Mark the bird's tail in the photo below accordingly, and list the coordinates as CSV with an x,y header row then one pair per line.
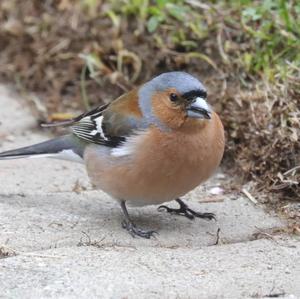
x,y
64,147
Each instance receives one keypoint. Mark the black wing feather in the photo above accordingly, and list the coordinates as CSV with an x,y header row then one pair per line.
x,y
89,127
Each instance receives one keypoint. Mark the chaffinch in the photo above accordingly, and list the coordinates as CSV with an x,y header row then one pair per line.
x,y
151,145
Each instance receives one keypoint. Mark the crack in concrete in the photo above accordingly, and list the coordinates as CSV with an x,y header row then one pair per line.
x,y
269,234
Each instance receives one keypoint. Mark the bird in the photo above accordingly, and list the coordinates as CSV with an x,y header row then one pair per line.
x,y
151,145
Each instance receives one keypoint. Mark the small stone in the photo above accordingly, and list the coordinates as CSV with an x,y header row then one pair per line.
x,y
216,191
10,138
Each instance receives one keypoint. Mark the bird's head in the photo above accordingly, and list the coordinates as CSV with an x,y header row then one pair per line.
x,y
175,100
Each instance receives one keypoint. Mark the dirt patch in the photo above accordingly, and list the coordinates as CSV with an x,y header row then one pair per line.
x,y
6,252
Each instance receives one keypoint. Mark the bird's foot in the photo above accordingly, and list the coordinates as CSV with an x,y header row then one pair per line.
x,y
135,231
131,228
184,210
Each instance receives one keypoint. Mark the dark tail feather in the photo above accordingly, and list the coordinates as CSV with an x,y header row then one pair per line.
x,y
55,147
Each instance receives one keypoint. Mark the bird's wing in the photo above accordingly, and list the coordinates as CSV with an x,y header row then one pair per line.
x,y
91,127
109,124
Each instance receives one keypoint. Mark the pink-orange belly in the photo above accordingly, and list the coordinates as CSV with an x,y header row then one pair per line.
x,y
159,172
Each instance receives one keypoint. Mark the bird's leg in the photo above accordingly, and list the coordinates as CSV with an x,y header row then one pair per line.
x,y
131,228
184,210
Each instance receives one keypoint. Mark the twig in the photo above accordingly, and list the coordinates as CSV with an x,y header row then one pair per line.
x,y
275,295
84,95
249,196
40,255
217,237
220,47
262,233
292,169
13,252
197,4
292,65
212,199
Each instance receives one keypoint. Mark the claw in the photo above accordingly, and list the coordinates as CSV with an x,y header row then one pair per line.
x,y
131,228
135,231
208,216
164,208
184,210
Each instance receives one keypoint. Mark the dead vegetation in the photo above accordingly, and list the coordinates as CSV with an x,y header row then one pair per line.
x,y
76,54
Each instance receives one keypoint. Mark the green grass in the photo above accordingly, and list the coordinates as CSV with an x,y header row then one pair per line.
x,y
273,29
264,36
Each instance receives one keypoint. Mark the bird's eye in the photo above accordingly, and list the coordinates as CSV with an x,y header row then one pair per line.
x,y
173,97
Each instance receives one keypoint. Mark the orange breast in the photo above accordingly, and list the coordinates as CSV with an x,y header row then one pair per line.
x,y
164,165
